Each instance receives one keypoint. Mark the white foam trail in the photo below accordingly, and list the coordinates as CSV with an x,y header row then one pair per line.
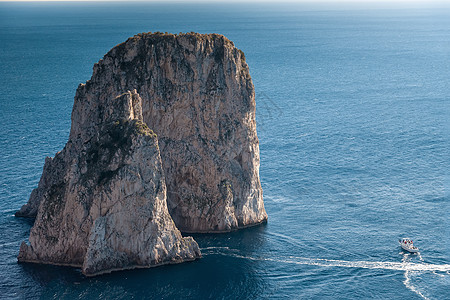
x,y
407,281
409,267
420,256
397,266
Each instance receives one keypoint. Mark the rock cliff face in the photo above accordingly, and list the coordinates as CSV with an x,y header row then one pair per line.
x,y
103,197
197,95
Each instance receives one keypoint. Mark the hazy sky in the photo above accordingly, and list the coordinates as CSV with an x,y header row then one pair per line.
x,y
374,1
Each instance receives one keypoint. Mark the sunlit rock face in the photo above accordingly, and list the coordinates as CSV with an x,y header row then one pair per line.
x,y
199,98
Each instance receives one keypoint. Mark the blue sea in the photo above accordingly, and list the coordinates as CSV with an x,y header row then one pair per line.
x,y
353,116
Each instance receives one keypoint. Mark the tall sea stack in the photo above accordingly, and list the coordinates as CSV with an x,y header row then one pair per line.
x,y
198,97
163,136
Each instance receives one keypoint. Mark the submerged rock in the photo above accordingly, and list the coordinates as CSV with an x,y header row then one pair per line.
x,y
103,197
198,96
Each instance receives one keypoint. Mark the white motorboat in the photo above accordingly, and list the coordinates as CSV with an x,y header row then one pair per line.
x,y
407,245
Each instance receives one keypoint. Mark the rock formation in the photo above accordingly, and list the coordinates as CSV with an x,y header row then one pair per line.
x,y
197,95
103,197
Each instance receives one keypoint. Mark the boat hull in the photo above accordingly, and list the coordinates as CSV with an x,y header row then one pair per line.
x,y
406,248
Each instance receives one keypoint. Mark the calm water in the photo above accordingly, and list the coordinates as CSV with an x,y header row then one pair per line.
x,y
353,118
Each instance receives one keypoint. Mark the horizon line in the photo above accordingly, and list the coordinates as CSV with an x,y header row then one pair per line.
x,y
249,1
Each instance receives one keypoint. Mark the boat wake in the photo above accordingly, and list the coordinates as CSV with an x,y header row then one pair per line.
x,y
398,266
409,274
411,269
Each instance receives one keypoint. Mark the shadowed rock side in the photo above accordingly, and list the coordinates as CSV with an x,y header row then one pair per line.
x,y
197,95
103,199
